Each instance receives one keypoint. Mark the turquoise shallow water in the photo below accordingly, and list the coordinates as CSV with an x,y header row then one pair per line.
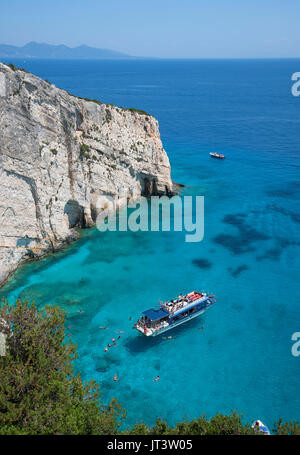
x,y
249,256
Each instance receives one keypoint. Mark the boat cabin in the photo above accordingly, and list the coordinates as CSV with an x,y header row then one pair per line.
x,y
154,317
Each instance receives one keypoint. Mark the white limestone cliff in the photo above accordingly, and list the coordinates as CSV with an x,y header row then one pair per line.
x,y
58,154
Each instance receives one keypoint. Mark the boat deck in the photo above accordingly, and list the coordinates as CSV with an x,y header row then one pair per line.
x,y
182,302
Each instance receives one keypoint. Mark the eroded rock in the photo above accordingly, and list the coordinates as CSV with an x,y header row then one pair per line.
x,y
58,154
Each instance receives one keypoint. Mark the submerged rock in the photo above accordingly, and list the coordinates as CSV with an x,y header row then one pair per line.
x,y
58,155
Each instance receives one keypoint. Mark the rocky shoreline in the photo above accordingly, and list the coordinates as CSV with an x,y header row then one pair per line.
x,y
60,155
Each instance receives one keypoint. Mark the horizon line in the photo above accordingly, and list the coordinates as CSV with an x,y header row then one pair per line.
x,y
129,56
132,57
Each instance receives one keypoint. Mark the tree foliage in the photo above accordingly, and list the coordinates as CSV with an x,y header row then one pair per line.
x,y
287,428
39,393
218,425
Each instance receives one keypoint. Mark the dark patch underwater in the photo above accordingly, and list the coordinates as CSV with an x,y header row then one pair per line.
x,y
243,241
202,263
238,270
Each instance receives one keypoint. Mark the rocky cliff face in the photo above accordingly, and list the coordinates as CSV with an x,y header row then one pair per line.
x,y
58,154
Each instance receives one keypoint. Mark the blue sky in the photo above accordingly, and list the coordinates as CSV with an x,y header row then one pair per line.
x,y
160,28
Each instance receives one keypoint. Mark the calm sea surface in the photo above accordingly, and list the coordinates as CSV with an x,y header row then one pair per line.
x,y
249,258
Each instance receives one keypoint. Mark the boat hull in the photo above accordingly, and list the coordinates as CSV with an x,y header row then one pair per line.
x,y
171,326
218,157
175,324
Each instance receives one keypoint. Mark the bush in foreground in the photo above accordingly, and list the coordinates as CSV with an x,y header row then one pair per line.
x,y
218,425
39,393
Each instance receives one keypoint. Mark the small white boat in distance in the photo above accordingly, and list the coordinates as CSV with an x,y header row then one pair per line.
x,y
217,155
258,425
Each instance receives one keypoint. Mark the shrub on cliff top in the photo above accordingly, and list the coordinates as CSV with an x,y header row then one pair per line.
x,y
15,68
39,393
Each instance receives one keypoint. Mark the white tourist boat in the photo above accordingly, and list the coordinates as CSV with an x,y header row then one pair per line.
x,y
173,313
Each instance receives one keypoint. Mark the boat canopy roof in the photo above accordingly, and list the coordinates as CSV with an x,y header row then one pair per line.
x,y
155,313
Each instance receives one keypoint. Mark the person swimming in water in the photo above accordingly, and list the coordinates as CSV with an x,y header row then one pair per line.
x,y
116,378
156,379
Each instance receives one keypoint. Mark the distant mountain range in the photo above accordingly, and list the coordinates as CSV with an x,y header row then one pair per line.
x,y
43,50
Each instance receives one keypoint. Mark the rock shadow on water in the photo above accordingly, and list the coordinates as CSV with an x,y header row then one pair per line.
x,y
273,254
277,208
202,263
285,242
235,272
290,191
282,193
246,236
233,243
235,219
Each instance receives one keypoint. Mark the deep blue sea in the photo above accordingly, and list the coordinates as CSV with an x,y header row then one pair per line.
x,y
249,258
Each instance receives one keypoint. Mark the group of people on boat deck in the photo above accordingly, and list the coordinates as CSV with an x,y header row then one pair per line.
x,y
174,305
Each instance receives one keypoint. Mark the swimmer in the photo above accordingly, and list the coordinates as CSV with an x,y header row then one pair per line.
x,y
105,349
113,340
109,345
116,378
102,327
156,379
